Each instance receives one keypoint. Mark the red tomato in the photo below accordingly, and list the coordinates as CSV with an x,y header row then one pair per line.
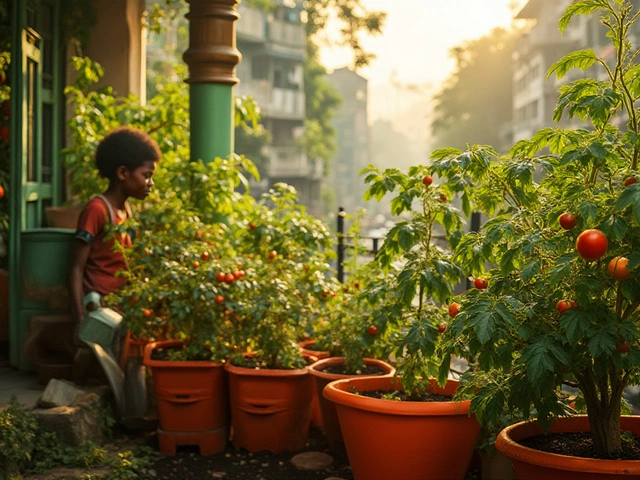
x,y
427,180
567,220
252,226
146,312
442,328
573,304
622,347
272,254
219,299
591,244
563,305
205,256
617,268
134,299
1,192
480,283
356,284
443,198
236,274
5,133
373,330
630,181
220,276
229,278
196,265
454,309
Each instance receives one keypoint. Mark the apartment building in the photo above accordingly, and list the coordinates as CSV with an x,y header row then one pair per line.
x,y
352,127
273,48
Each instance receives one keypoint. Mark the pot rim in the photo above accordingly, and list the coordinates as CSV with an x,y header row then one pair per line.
x,y
315,369
264,372
337,392
149,362
506,444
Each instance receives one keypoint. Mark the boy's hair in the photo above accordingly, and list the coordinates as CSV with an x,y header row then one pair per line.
x,y
125,146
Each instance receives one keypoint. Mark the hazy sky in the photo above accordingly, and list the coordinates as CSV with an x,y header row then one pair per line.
x,y
417,36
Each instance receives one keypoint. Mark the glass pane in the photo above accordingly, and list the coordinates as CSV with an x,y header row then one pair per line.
x,y
32,75
47,135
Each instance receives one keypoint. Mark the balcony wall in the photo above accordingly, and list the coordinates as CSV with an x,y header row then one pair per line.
x,y
274,102
252,24
289,34
290,162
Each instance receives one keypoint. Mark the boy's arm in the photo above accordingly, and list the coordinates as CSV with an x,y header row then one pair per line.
x,y
78,260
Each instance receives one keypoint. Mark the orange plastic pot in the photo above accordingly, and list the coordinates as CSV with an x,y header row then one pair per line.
x,y
316,414
403,440
534,464
270,409
330,420
192,396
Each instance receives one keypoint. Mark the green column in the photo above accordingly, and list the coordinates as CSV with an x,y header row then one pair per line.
x,y
212,57
211,114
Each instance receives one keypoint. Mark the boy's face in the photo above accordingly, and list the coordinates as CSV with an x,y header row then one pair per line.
x,y
137,183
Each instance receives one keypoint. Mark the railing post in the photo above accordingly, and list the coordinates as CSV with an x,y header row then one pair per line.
x,y
341,246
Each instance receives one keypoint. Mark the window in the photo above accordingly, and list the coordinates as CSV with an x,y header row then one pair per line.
x,y
259,68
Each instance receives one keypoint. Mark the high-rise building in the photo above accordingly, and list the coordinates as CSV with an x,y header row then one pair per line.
x,y
352,127
273,48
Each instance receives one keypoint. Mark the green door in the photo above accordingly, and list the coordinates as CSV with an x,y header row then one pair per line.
x,y
35,143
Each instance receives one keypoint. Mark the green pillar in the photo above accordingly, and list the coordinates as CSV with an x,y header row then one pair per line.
x,y
211,115
212,57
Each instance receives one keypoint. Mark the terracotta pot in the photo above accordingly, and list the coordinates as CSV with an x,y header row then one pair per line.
x,y
63,217
270,409
328,409
403,440
534,464
319,354
316,414
192,396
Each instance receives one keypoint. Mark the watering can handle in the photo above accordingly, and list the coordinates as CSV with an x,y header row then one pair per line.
x,y
91,298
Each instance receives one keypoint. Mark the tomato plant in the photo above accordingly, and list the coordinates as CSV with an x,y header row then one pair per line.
x,y
522,351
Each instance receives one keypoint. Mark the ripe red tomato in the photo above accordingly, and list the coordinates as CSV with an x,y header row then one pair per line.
x,y
272,254
427,180
373,330
219,299
442,328
332,293
324,294
229,278
567,220
630,181
622,347
591,244
205,256
454,309
1,192
563,305
196,265
134,299
236,274
617,268
146,312
356,284
252,226
220,276
480,283
5,133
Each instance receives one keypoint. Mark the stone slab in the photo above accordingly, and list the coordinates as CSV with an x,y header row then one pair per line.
x,y
312,461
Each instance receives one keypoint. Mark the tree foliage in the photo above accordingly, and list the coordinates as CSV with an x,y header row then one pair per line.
x,y
476,98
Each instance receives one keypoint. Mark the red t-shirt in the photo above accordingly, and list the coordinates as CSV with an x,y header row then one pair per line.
x,y
103,262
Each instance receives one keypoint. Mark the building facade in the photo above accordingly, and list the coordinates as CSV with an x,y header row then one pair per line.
x,y
352,142
273,51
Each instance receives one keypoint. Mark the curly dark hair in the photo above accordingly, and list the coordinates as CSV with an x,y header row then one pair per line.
x,y
125,146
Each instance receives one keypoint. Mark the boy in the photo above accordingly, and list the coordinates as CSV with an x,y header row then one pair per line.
x,y
127,158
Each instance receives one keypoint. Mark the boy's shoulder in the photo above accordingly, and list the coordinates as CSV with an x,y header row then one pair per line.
x,y
96,204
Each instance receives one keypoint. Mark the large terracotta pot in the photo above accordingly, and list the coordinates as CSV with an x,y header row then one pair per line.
x,y
270,409
192,399
534,464
316,415
403,440
328,409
